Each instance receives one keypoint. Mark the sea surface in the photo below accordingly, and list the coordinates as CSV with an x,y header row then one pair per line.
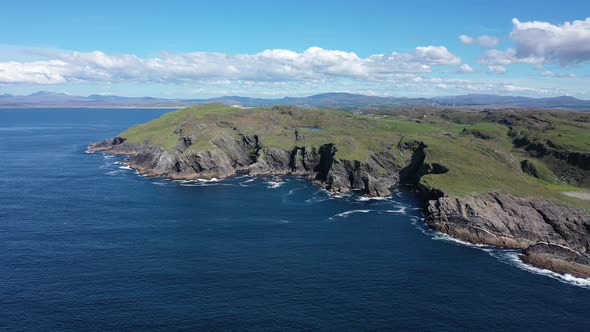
x,y
86,244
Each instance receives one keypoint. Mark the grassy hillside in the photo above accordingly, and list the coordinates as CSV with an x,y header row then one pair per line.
x,y
484,151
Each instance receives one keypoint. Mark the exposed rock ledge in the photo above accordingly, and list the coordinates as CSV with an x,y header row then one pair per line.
x,y
553,235
228,156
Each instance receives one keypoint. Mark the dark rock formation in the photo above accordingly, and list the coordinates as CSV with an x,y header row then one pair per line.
x,y
529,168
513,222
372,177
557,258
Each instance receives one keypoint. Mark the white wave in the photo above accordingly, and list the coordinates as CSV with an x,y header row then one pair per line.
x,y
112,173
206,184
401,210
89,152
208,180
108,156
512,257
318,200
369,198
347,213
126,167
159,183
339,195
274,185
245,183
285,221
445,237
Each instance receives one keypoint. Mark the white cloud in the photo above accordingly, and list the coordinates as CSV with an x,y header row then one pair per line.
x,y
549,73
566,44
466,69
483,41
539,43
434,55
268,66
497,69
507,57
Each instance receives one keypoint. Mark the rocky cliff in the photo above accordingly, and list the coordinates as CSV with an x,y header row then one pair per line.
x,y
229,155
554,236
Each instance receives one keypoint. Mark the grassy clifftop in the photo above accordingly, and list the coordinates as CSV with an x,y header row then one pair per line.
x,y
526,153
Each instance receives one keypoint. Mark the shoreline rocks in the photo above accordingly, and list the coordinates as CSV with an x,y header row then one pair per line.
x,y
228,156
553,235
558,259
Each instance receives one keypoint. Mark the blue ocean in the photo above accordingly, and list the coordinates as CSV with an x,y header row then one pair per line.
x,y
86,244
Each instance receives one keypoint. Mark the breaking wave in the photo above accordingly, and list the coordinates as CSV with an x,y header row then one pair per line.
x,y
511,257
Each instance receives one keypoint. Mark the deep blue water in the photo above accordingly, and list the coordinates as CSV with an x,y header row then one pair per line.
x,y
86,245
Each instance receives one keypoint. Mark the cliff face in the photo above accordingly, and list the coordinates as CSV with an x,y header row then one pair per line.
x,y
228,155
554,236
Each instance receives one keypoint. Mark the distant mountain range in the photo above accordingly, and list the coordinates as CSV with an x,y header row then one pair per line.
x,y
327,100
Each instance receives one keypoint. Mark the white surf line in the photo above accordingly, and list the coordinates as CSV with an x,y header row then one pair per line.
x,y
371,198
400,210
274,185
208,180
511,257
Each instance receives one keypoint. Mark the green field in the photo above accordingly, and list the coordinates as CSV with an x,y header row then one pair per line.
x,y
483,150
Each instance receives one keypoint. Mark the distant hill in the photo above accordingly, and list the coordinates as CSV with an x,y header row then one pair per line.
x,y
338,100
483,99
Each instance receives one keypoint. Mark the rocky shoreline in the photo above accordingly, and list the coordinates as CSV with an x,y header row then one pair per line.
x,y
229,156
552,235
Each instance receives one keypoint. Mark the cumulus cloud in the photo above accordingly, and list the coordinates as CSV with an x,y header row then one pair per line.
x,y
483,41
566,44
507,57
268,66
466,69
496,69
539,43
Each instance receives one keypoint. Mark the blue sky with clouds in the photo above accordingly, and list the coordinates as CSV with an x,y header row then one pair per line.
x,y
273,48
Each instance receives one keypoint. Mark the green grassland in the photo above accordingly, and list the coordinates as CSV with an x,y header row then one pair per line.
x,y
478,147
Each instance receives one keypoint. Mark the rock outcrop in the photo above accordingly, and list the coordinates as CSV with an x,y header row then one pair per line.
x,y
554,236
227,156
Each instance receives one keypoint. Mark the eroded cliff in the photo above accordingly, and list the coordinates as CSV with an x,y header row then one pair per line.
x,y
228,156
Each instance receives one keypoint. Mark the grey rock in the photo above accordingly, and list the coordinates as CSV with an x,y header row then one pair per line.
x,y
229,155
513,222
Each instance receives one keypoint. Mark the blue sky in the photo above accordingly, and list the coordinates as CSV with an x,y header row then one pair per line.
x,y
203,49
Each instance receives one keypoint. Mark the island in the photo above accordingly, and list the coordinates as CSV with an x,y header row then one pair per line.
x,y
512,178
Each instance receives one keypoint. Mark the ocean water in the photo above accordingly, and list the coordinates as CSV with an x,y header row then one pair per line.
x,y
86,244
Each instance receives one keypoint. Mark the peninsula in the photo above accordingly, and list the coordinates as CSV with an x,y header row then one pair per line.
x,y
513,178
